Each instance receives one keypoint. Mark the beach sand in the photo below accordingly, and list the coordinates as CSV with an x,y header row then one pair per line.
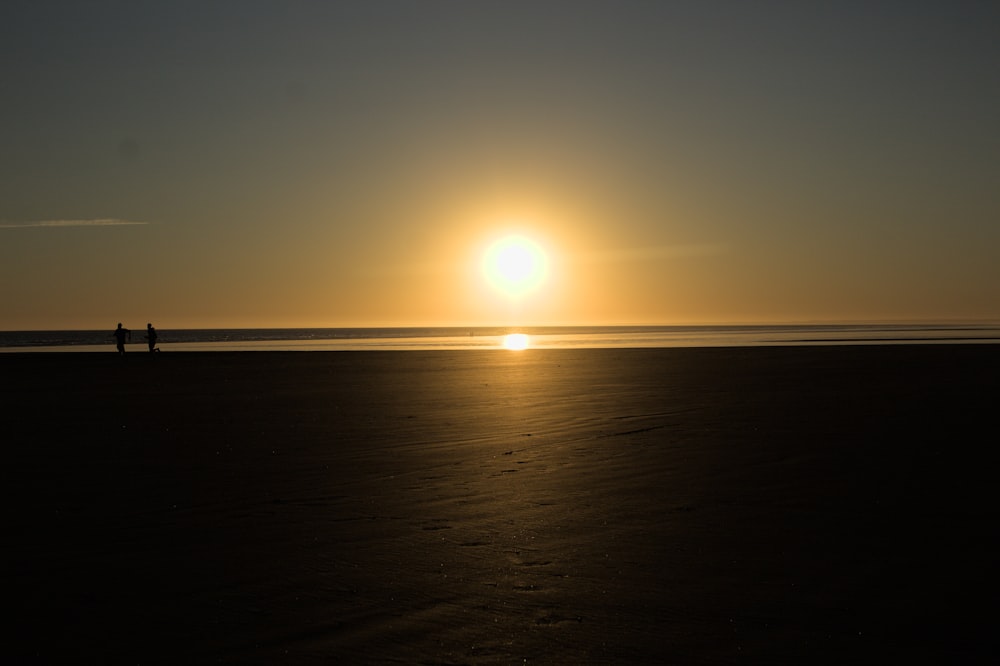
x,y
699,506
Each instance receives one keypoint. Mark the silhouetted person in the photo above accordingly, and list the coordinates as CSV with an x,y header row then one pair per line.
x,y
121,336
151,337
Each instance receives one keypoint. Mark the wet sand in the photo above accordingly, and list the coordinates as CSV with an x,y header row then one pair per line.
x,y
705,506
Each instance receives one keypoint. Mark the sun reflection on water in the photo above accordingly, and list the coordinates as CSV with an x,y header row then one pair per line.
x,y
515,341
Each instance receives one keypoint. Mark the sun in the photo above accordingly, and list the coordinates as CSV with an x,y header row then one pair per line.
x,y
515,265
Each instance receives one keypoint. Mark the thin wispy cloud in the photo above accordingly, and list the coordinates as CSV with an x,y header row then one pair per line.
x,y
655,252
100,222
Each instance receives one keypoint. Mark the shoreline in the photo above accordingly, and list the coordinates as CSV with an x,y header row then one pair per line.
x,y
321,346
405,339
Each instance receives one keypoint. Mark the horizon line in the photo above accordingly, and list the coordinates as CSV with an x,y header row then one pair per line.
x,y
839,323
63,223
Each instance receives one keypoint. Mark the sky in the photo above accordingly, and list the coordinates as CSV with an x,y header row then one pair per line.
x,y
293,163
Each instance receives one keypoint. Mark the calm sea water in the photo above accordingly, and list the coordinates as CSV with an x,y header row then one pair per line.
x,y
342,339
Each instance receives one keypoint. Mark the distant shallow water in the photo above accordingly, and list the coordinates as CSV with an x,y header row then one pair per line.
x,y
407,339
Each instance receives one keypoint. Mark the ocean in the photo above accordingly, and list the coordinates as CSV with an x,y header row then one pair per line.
x,y
546,337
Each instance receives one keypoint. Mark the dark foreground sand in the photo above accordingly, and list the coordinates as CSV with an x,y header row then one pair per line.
x,y
755,505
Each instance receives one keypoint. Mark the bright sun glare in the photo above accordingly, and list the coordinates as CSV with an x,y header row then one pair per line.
x,y
515,265
515,341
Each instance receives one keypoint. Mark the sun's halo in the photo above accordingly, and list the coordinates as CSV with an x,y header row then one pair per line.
x,y
515,265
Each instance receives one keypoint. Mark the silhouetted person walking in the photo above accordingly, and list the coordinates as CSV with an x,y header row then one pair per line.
x,y
151,337
122,335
